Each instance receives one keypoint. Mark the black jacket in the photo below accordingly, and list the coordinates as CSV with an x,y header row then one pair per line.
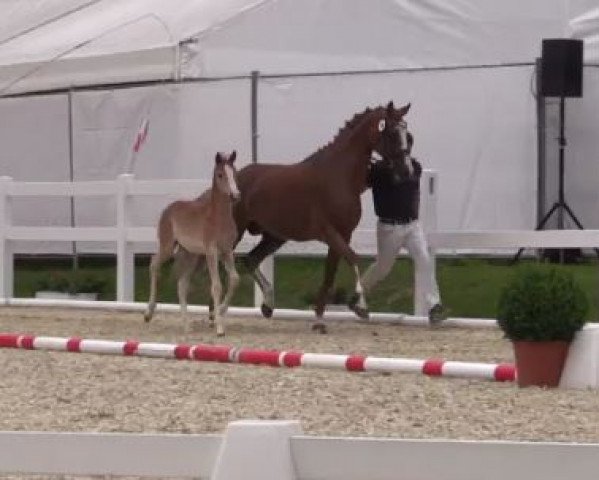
x,y
395,199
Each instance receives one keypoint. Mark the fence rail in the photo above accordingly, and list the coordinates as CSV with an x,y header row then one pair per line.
x,y
278,449
125,235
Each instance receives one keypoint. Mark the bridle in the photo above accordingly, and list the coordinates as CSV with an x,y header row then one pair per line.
x,y
402,129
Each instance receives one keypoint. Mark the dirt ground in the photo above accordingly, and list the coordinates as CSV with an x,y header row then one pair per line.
x,y
54,391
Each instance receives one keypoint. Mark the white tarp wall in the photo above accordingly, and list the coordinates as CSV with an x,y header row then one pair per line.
x,y
182,143
34,135
582,118
486,180
581,158
188,125
473,112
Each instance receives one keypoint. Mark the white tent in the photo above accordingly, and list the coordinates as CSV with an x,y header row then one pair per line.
x,y
467,66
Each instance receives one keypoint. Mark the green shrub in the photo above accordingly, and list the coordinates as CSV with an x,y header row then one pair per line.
x,y
71,282
542,304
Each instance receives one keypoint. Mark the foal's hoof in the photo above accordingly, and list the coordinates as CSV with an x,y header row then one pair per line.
x,y
319,328
266,310
147,317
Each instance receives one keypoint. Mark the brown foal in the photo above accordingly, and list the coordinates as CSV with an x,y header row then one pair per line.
x,y
203,226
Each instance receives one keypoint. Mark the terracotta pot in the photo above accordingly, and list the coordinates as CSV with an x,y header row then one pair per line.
x,y
540,363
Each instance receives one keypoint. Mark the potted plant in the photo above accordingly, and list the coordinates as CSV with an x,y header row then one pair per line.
x,y
540,310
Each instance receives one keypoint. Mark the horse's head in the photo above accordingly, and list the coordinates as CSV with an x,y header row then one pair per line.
x,y
392,141
224,178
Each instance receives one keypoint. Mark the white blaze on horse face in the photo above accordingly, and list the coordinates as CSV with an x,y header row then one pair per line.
x,y
234,191
403,132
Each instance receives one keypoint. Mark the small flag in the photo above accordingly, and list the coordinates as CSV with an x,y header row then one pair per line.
x,y
141,136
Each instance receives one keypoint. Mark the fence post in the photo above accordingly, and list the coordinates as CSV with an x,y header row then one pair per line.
x,y
6,252
257,449
428,220
125,257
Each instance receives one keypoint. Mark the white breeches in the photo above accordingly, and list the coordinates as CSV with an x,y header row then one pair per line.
x,y
390,239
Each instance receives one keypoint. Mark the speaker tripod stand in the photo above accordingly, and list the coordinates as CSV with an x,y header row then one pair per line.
x,y
560,206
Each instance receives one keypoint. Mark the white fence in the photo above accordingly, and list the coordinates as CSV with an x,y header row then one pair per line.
x,y
126,236
277,450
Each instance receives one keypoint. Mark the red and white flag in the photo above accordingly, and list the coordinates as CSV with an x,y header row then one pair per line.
x,y
141,136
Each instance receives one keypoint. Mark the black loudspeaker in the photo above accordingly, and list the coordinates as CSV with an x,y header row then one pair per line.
x,y
561,68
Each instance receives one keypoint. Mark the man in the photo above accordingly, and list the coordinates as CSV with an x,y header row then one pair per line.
x,y
396,204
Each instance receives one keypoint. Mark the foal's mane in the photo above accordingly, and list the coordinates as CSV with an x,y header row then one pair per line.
x,y
343,133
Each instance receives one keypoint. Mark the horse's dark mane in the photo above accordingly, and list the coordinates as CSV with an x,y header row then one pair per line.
x,y
342,133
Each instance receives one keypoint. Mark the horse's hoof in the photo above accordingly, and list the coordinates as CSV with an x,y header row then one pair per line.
x,y
319,328
147,318
362,313
220,334
354,306
266,310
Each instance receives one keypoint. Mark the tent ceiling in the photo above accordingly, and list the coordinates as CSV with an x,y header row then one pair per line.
x,y
56,44
43,39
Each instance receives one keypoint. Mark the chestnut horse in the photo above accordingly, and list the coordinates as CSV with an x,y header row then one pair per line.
x,y
203,226
319,198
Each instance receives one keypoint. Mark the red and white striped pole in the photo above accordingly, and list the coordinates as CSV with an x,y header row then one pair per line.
x,y
503,372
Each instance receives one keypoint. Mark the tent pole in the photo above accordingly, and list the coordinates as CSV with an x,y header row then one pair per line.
x,y
75,257
541,145
254,100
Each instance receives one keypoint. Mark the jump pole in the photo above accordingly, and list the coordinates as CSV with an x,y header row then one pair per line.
x,y
503,372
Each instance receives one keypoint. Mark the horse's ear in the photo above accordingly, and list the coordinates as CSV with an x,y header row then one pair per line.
x,y
233,156
390,107
403,110
219,158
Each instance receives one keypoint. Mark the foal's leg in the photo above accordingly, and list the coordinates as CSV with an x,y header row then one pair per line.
x,y
215,289
183,281
186,264
330,269
228,259
267,246
164,252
